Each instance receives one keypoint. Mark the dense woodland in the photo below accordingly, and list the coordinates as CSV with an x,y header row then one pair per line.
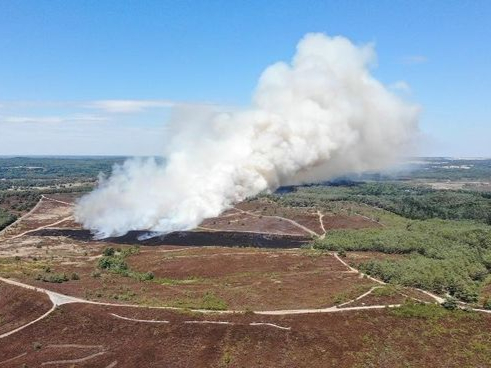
x,y
414,202
443,237
439,255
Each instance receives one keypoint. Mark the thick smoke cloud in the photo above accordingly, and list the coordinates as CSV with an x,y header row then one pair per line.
x,y
320,116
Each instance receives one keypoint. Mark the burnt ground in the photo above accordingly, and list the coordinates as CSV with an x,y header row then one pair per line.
x,y
188,238
205,269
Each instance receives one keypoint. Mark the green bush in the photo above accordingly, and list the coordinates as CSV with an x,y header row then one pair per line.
x,y
52,277
108,252
212,302
116,264
146,276
450,303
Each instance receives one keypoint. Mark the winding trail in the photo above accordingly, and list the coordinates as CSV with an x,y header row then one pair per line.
x,y
39,228
73,361
139,320
324,231
57,200
306,229
360,297
23,216
29,323
13,358
354,270
43,197
60,299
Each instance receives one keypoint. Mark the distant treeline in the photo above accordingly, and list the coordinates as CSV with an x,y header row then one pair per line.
x,y
413,202
56,168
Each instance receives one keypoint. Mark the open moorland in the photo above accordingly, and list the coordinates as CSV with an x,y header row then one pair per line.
x,y
390,273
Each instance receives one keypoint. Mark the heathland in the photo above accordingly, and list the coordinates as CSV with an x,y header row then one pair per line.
x,y
374,270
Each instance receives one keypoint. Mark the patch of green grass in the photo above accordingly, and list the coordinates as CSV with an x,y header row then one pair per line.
x,y
226,359
387,290
169,281
412,309
212,302
124,295
209,301
350,293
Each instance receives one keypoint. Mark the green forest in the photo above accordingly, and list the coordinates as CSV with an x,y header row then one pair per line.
x,y
411,201
442,237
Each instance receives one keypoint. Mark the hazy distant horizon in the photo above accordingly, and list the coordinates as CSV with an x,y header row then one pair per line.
x,y
149,156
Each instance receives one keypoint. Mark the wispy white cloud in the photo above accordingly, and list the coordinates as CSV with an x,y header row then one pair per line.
x,y
52,119
414,59
109,106
400,86
129,106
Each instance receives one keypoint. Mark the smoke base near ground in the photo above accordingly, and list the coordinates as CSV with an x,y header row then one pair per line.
x,y
317,117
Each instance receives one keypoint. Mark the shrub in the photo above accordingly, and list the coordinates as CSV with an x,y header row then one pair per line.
x,y
146,276
212,302
108,252
52,277
95,274
450,303
129,251
116,264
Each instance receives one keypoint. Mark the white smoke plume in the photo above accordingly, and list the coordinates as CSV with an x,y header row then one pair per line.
x,y
320,116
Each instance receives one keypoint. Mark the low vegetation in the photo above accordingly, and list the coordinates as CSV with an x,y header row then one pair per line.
x,y
441,256
412,309
208,300
114,261
444,235
6,219
52,277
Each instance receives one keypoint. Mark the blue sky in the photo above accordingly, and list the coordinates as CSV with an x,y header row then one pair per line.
x,y
99,77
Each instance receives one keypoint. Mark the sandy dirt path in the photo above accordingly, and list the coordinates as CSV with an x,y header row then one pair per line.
x,y
306,229
43,197
60,299
39,228
23,216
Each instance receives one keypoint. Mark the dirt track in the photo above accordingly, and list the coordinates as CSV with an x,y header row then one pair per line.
x,y
191,337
